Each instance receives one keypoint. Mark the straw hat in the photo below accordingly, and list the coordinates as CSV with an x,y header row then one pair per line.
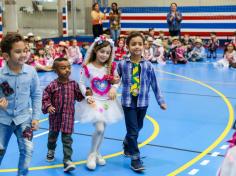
x,y
174,38
198,40
62,43
38,38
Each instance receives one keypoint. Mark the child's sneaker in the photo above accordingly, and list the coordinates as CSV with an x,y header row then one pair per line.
x,y
100,160
91,161
69,166
50,155
137,165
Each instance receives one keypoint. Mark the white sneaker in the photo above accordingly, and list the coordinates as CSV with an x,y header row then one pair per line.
x,y
100,160
91,161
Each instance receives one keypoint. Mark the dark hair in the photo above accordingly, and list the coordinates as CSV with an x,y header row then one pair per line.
x,y
37,51
60,59
173,3
133,34
151,29
116,11
93,7
226,46
9,40
213,33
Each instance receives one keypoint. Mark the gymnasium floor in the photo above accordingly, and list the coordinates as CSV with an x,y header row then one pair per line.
x,y
187,139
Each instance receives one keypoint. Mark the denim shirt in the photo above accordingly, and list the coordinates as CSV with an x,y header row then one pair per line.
x,y
147,80
175,24
25,103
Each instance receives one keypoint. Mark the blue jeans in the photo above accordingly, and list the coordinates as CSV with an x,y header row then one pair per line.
x,y
25,145
115,34
134,117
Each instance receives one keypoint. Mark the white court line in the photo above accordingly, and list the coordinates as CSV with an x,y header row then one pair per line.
x,y
215,154
41,134
223,147
193,172
46,132
205,162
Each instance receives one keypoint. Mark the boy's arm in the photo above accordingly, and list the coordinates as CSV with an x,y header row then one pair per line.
x,y
36,96
46,99
155,88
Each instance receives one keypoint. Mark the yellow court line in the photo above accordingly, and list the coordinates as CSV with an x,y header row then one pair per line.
x,y
156,130
219,139
45,119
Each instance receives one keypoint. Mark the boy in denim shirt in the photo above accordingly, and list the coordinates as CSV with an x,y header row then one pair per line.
x,y
22,91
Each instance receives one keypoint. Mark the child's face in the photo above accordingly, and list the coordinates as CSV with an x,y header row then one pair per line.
x,y
161,34
74,43
213,35
103,54
146,45
136,46
152,32
198,45
17,54
121,44
41,52
63,69
51,43
230,47
175,42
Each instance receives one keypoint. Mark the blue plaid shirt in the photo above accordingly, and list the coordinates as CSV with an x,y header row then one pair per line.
x,y
147,79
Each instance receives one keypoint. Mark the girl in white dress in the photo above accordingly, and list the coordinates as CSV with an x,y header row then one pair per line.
x,y
98,83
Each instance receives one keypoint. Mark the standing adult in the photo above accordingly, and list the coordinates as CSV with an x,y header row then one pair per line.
x,y
114,18
97,17
174,18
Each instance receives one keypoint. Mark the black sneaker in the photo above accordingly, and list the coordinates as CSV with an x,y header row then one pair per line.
x,y
137,165
50,155
69,166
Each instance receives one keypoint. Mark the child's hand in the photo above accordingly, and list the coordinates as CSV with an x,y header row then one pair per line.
x,y
3,103
35,124
51,110
112,93
90,100
116,79
163,106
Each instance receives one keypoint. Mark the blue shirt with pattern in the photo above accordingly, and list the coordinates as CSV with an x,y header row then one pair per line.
x,y
147,79
25,103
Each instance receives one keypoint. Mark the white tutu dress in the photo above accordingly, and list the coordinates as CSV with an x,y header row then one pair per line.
x,y
104,109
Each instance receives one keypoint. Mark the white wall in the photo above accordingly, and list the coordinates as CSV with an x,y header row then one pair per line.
x,y
45,23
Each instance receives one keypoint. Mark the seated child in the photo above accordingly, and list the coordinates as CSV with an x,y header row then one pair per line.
x,y
120,51
198,52
74,54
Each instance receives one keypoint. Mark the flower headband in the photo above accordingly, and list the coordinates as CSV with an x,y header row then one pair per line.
x,y
101,39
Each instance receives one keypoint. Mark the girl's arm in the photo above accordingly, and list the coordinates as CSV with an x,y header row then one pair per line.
x,y
82,81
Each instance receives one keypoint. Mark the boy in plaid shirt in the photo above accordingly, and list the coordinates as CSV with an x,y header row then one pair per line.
x,y
58,100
